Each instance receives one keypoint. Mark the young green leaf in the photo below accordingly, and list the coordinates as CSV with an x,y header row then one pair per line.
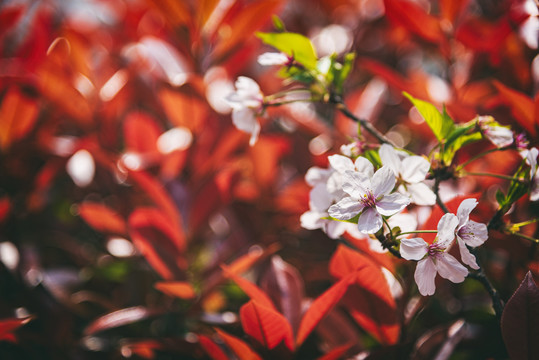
x,y
292,44
441,124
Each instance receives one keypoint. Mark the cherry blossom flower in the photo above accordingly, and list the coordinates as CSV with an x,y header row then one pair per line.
x,y
434,258
369,196
499,135
531,159
246,102
271,58
410,172
469,232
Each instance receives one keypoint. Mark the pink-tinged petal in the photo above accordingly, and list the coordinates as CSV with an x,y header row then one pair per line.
x,y
345,209
500,136
464,210
449,268
319,198
446,229
421,194
466,256
414,169
473,233
531,159
244,119
317,175
254,134
311,220
389,157
341,163
334,229
392,204
335,187
354,184
383,181
364,167
247,87
370,221
271,58
413,249
425,273
534,193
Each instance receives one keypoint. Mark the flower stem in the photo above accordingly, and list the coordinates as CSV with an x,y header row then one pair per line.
x,y
499,176
418,232
524,236
497,302
438,200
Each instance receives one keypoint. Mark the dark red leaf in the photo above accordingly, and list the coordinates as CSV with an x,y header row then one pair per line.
x,y
159,240
321,306
141,132
102,218
253,291
240,348
266,325
18,114
119,318
520,321
412,17
336,353
5,207
522,107
213,350
7,326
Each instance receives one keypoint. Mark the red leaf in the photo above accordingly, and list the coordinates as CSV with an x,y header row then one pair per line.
x,y
102,218
180,289
141,132
240,348
265,158
522,107
414,19
7,326
119,318
213,350
336,353
321,306
18,114
483,36
266,325
249,288
155,190
5,208
183,109
520,321
159,241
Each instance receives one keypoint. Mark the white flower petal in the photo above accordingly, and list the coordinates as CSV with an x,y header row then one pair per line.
x,y
446,229
317,175
345,209
383,181
467,257
406,221
244,119
364,167
355,184
254,134
319,198
499,135
464,210
341,163
246,87
424,276
271,58
311,220
449,268
413,249
335,187
414,169
334,229
473,233
421,194
531,159
392,204
389,157
370,221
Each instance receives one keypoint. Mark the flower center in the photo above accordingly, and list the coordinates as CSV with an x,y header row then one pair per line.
x,y
435,249
368,200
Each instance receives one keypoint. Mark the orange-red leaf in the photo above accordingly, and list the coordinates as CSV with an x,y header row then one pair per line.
x,y
18,114
159,240
240,348
102,218
253,291
213,350
141,132
321,306
180,289
414,19
522,107
337,353
266,325
7,326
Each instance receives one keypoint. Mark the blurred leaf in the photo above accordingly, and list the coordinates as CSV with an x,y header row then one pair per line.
x,y
441,124
412,17
9,325
321,306
240,348
213,350
266,156
159,241
141,132
102,218
336,353
18,114
295,45
5,208
266,325
179,289
184,110
520,321
522,107
119,318
253,291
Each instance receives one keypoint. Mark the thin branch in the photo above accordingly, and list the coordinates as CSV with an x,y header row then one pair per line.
x,y
436,192
497,302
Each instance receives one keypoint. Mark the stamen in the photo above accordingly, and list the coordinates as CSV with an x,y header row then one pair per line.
x,y
368,200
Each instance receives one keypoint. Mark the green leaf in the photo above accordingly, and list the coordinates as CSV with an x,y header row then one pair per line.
x,y
278,23
292,44
441,124
500,197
